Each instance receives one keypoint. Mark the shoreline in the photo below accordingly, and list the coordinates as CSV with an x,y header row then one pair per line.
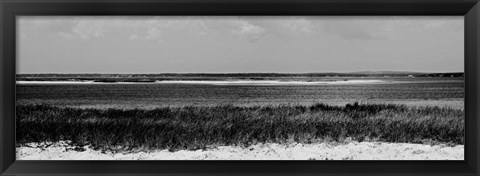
x,y
236,82
352,150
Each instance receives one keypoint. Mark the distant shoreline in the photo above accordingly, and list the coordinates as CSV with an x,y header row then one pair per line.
x,y
220,82
246,75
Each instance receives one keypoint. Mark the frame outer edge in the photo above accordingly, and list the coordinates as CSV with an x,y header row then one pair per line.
x,y
472,73
477,58
2,55
7,88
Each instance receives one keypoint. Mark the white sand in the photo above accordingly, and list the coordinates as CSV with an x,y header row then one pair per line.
x,y
236,82
294,151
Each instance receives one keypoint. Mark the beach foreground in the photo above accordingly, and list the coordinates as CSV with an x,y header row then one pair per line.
x,y
269,151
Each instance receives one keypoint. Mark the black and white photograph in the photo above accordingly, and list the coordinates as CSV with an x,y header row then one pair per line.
x,y
240,88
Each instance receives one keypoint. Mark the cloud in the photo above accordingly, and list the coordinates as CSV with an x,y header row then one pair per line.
x,y
355,28
251,29
385,28
87,30
149,28
68,35
134,37
246,28
299,25
256,28
154,34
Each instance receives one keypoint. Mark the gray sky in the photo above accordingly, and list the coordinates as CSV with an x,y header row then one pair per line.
x,y
239,44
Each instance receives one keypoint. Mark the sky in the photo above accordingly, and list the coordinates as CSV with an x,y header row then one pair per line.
x,y
231,44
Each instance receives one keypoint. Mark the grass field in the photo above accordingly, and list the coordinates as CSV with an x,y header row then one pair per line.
x,y
196,127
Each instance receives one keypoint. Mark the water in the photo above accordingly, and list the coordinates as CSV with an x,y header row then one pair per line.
x,y
446,91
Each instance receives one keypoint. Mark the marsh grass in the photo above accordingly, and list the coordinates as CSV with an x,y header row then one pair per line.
x,y
192,127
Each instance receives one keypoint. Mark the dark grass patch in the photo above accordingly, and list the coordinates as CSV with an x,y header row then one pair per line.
x,y
191,127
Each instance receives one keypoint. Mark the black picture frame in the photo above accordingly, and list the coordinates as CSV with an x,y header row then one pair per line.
x,y
9,9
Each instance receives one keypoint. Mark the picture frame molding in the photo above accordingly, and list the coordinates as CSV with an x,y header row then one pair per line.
x,y
11,9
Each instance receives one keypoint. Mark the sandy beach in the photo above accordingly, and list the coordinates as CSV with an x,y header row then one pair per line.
x,y
269,151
